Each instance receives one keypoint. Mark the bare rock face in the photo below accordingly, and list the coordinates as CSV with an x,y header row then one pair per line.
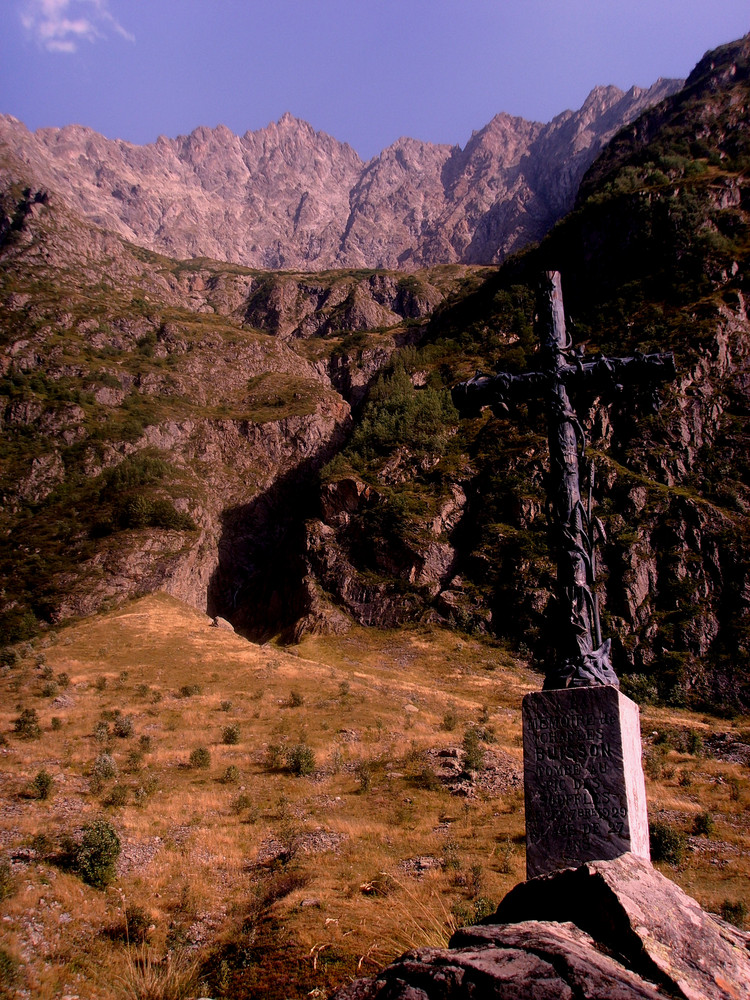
x,y
614,930
288,197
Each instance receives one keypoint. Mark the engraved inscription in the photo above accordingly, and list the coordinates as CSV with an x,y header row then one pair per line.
x,y
581,772
573,759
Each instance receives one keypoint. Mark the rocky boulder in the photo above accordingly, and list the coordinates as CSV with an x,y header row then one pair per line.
x,y
609,930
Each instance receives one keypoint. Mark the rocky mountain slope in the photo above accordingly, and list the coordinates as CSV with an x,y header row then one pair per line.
x,y
425,513
289,197
144,410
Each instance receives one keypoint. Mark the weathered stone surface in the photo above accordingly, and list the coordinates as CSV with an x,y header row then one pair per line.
x,y
652,926
219,622
583,778
613,930
530,960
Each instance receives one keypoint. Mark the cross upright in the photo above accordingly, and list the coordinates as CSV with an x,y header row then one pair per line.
x,y
583,658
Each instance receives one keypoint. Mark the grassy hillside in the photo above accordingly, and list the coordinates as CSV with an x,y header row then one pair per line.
x,y
287,821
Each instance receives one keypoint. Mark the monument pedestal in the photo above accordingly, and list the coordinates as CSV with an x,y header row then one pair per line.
x,y
583,778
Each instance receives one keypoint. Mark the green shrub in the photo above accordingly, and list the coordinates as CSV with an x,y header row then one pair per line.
x,y
241,803
123,727
231,775
450,720
473,751
118,796
231,735
43,784
200,757
101,683
137,925
188,690
26,726
7,881
363,772
640,688
226,706
101,732
426,778
9,973
300,759
56,723
704,825
667,843
97,854
296,698
274,756
104,767
694,742
734,912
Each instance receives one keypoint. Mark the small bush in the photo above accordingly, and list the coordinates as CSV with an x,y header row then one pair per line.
x,y
55,723
43,784
135,759
9,973
123,727
473,757
137,925
101,732
7,881
101,683
104,767
226,706
231,775
704,825
300,759
26,726
450,720
667,843
363,772
63,680
230,735
241,803
118,796
694,743
188,690
734,912
144,743
344,689
200,757
640,688
296,698
97,854
426,778
274,756
50,689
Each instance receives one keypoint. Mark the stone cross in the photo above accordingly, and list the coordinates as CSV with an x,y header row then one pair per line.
x,y
582,658
583,777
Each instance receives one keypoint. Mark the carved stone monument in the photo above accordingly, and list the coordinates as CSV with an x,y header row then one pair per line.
x,y
583,777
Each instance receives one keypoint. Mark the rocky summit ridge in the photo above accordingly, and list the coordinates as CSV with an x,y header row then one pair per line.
x,y
289,197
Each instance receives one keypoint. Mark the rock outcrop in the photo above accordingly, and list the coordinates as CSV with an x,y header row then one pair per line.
x,y
609,930
289,197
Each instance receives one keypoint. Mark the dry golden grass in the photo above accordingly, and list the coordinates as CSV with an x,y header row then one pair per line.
x,y
259,882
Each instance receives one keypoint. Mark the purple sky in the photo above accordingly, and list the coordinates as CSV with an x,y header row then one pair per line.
x,y
366,71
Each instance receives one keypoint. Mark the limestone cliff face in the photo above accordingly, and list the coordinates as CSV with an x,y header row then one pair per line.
x,y
288,197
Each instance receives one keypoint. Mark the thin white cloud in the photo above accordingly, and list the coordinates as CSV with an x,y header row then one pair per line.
x,y
60,25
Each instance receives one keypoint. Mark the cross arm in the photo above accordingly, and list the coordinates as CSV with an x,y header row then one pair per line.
x,y
503,389
498,391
